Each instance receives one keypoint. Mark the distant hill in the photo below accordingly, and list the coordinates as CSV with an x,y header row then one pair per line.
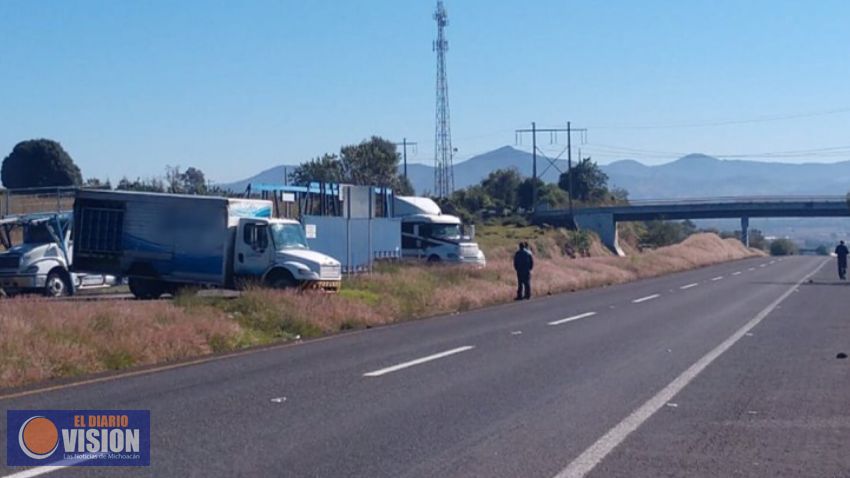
x,y
695,175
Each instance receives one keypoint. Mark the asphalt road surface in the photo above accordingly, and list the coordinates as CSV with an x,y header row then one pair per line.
x,y
725,371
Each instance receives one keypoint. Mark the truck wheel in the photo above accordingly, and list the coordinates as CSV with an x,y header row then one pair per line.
x,y
281,280
57,285
145,289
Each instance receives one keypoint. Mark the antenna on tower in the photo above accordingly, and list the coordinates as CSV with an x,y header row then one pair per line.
x,y
443,168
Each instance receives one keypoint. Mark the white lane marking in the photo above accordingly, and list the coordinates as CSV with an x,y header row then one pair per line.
x,y
597,452
689,286
38,471
644,299
763,265
736,273
772,262
575,317
395,368
717,278
751,269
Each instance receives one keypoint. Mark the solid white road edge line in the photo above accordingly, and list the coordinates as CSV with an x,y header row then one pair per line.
x,y
597,452
575,317
689,286
644,299
38,471
717,278
395,368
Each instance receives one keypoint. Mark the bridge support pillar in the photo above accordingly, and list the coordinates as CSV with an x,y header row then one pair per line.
x,y
605,226
745,231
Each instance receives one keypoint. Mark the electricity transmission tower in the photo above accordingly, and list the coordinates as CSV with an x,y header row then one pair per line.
x,y
443,168
553,162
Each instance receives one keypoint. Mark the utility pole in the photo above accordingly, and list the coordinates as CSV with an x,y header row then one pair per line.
x,y
404,144
570,161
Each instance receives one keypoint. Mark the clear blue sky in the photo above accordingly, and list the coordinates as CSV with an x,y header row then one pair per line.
x,y
236,87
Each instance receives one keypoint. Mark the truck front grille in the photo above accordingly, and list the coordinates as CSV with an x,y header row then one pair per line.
x,y
8,261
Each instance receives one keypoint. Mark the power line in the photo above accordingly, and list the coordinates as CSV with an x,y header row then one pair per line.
x,y
704,124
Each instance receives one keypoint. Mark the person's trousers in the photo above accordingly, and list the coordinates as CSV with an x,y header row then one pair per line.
x,y
842,268
523,289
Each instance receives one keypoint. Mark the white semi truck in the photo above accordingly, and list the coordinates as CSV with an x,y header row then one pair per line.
x,y
163,242
40,261
428,234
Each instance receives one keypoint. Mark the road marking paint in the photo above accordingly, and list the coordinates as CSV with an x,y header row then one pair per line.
x,y
736,273
587,461
751,269
647,298
689,286
772,262
763,265
575,317
41,470
717,278
419,361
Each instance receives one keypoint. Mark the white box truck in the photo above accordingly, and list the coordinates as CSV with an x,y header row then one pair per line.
x,y
429,234
162,242
40,261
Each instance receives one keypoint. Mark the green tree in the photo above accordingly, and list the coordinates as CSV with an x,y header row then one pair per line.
x,y
153,185
373,162
96,183
502,185
548,194
39,163
590,184
325,169
665,233
783,247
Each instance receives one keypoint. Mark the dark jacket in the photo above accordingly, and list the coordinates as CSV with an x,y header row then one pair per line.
x,y
523,261
841,251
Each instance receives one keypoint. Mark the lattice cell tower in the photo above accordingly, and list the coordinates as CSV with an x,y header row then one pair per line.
x,y
443,169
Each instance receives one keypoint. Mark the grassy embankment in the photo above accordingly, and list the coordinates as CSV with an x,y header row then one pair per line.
x,y
42,339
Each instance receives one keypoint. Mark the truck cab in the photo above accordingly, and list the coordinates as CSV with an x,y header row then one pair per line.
x,y
276,250
40,262
428,234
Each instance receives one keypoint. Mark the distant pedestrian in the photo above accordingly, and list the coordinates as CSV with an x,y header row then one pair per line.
x,y
841,252
523,264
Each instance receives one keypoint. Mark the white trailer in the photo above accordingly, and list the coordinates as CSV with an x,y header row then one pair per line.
x,y
165,241
428,234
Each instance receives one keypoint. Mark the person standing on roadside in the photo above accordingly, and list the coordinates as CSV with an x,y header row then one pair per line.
x,y
841,252
523,264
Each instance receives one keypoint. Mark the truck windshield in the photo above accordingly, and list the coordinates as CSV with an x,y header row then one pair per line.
x,y
288,236
444,231
37,234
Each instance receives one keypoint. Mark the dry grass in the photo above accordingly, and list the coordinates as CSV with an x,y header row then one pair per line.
x,y
42,339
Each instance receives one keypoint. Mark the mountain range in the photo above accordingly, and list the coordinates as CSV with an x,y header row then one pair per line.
x,y
694,175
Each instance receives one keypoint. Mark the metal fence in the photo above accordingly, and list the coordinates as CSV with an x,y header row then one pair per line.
x,y
34,200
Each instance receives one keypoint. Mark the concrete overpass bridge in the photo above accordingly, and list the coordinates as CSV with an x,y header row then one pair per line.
x,y
603,220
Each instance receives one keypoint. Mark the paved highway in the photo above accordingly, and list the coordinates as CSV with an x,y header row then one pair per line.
x,y
722,371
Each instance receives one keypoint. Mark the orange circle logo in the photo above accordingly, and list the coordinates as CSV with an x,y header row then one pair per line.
x,y
38,438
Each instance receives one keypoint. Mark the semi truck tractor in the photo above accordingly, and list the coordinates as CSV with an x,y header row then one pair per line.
x,y
428,234
163,242
37,258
